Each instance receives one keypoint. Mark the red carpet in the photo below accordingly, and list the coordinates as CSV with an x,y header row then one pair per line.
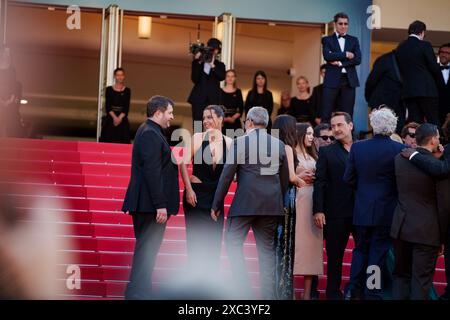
x,y
91,179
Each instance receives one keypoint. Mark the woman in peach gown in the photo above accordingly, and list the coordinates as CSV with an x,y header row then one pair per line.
x,y
308,260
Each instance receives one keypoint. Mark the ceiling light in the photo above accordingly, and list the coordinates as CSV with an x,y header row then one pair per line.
x,y
145,27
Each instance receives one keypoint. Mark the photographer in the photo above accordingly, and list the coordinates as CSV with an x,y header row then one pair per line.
x,y
206,73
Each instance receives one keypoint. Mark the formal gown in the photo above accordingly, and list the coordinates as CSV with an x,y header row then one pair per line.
x,y
301,110
233,103
264,100
203,234
285,242
117,102
308,237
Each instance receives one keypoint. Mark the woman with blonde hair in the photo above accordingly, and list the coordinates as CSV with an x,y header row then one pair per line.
x,y
301,108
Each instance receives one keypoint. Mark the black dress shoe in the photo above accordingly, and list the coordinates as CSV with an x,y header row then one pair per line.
x,y
348,295
337,295
315,295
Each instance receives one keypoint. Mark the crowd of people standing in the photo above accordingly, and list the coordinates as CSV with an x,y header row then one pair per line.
x,y
320,183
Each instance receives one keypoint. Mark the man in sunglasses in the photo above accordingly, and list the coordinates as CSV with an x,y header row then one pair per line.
x,y
408,135
342,54
323,136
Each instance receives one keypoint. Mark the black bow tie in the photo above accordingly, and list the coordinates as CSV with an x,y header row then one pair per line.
x,y
339,36
445,67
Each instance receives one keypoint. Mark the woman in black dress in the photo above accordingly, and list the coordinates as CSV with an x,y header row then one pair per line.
x,y
207,156
115,125
233,103
285,237
301,108
259,96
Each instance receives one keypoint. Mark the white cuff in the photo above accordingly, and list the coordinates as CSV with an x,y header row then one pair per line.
x,y
414,153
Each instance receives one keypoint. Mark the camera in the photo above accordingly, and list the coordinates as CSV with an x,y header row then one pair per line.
x,y
207,51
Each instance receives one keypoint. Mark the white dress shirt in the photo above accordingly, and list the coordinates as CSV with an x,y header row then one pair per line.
x,y
445,73
342,45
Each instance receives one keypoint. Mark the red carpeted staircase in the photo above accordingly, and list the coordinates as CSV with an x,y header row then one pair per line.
x,y
84,185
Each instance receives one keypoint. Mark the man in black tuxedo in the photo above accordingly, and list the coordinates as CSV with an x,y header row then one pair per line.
x,y
260,162
420,221
439,169
384,86
342,53
420,74
444,83
153,194
206,76
333,200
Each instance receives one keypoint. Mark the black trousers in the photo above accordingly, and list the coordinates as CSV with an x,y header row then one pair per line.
x,y
338,99
149,235
371,247
414,270
264,229
421,109
203,240
337,233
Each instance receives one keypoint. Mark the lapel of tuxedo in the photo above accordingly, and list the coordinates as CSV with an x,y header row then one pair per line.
x,y
347,44
336,43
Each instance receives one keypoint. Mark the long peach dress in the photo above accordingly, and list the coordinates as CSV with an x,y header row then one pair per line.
x,y
308,237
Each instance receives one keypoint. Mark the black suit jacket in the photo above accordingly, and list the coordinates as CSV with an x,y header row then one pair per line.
x,y
206,88
384,85
444,97
332,52
417,217
316,100
332,195
154,177
418,67
259,161
440,170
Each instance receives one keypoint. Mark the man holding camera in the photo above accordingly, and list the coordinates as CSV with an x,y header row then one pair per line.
x,y
206,73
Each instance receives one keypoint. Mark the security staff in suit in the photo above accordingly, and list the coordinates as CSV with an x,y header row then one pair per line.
x,y
260,162
384,86
342,53
153,194
333,200
371,172
420,75
420,221
444,84
206,76
440,170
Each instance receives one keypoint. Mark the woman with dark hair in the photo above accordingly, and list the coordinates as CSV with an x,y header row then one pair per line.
x,y
308,260
233,102
115,125
300,107
285,238
207,154
260,96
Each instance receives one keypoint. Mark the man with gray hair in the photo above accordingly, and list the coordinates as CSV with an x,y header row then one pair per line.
x,y
260,162
371,172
